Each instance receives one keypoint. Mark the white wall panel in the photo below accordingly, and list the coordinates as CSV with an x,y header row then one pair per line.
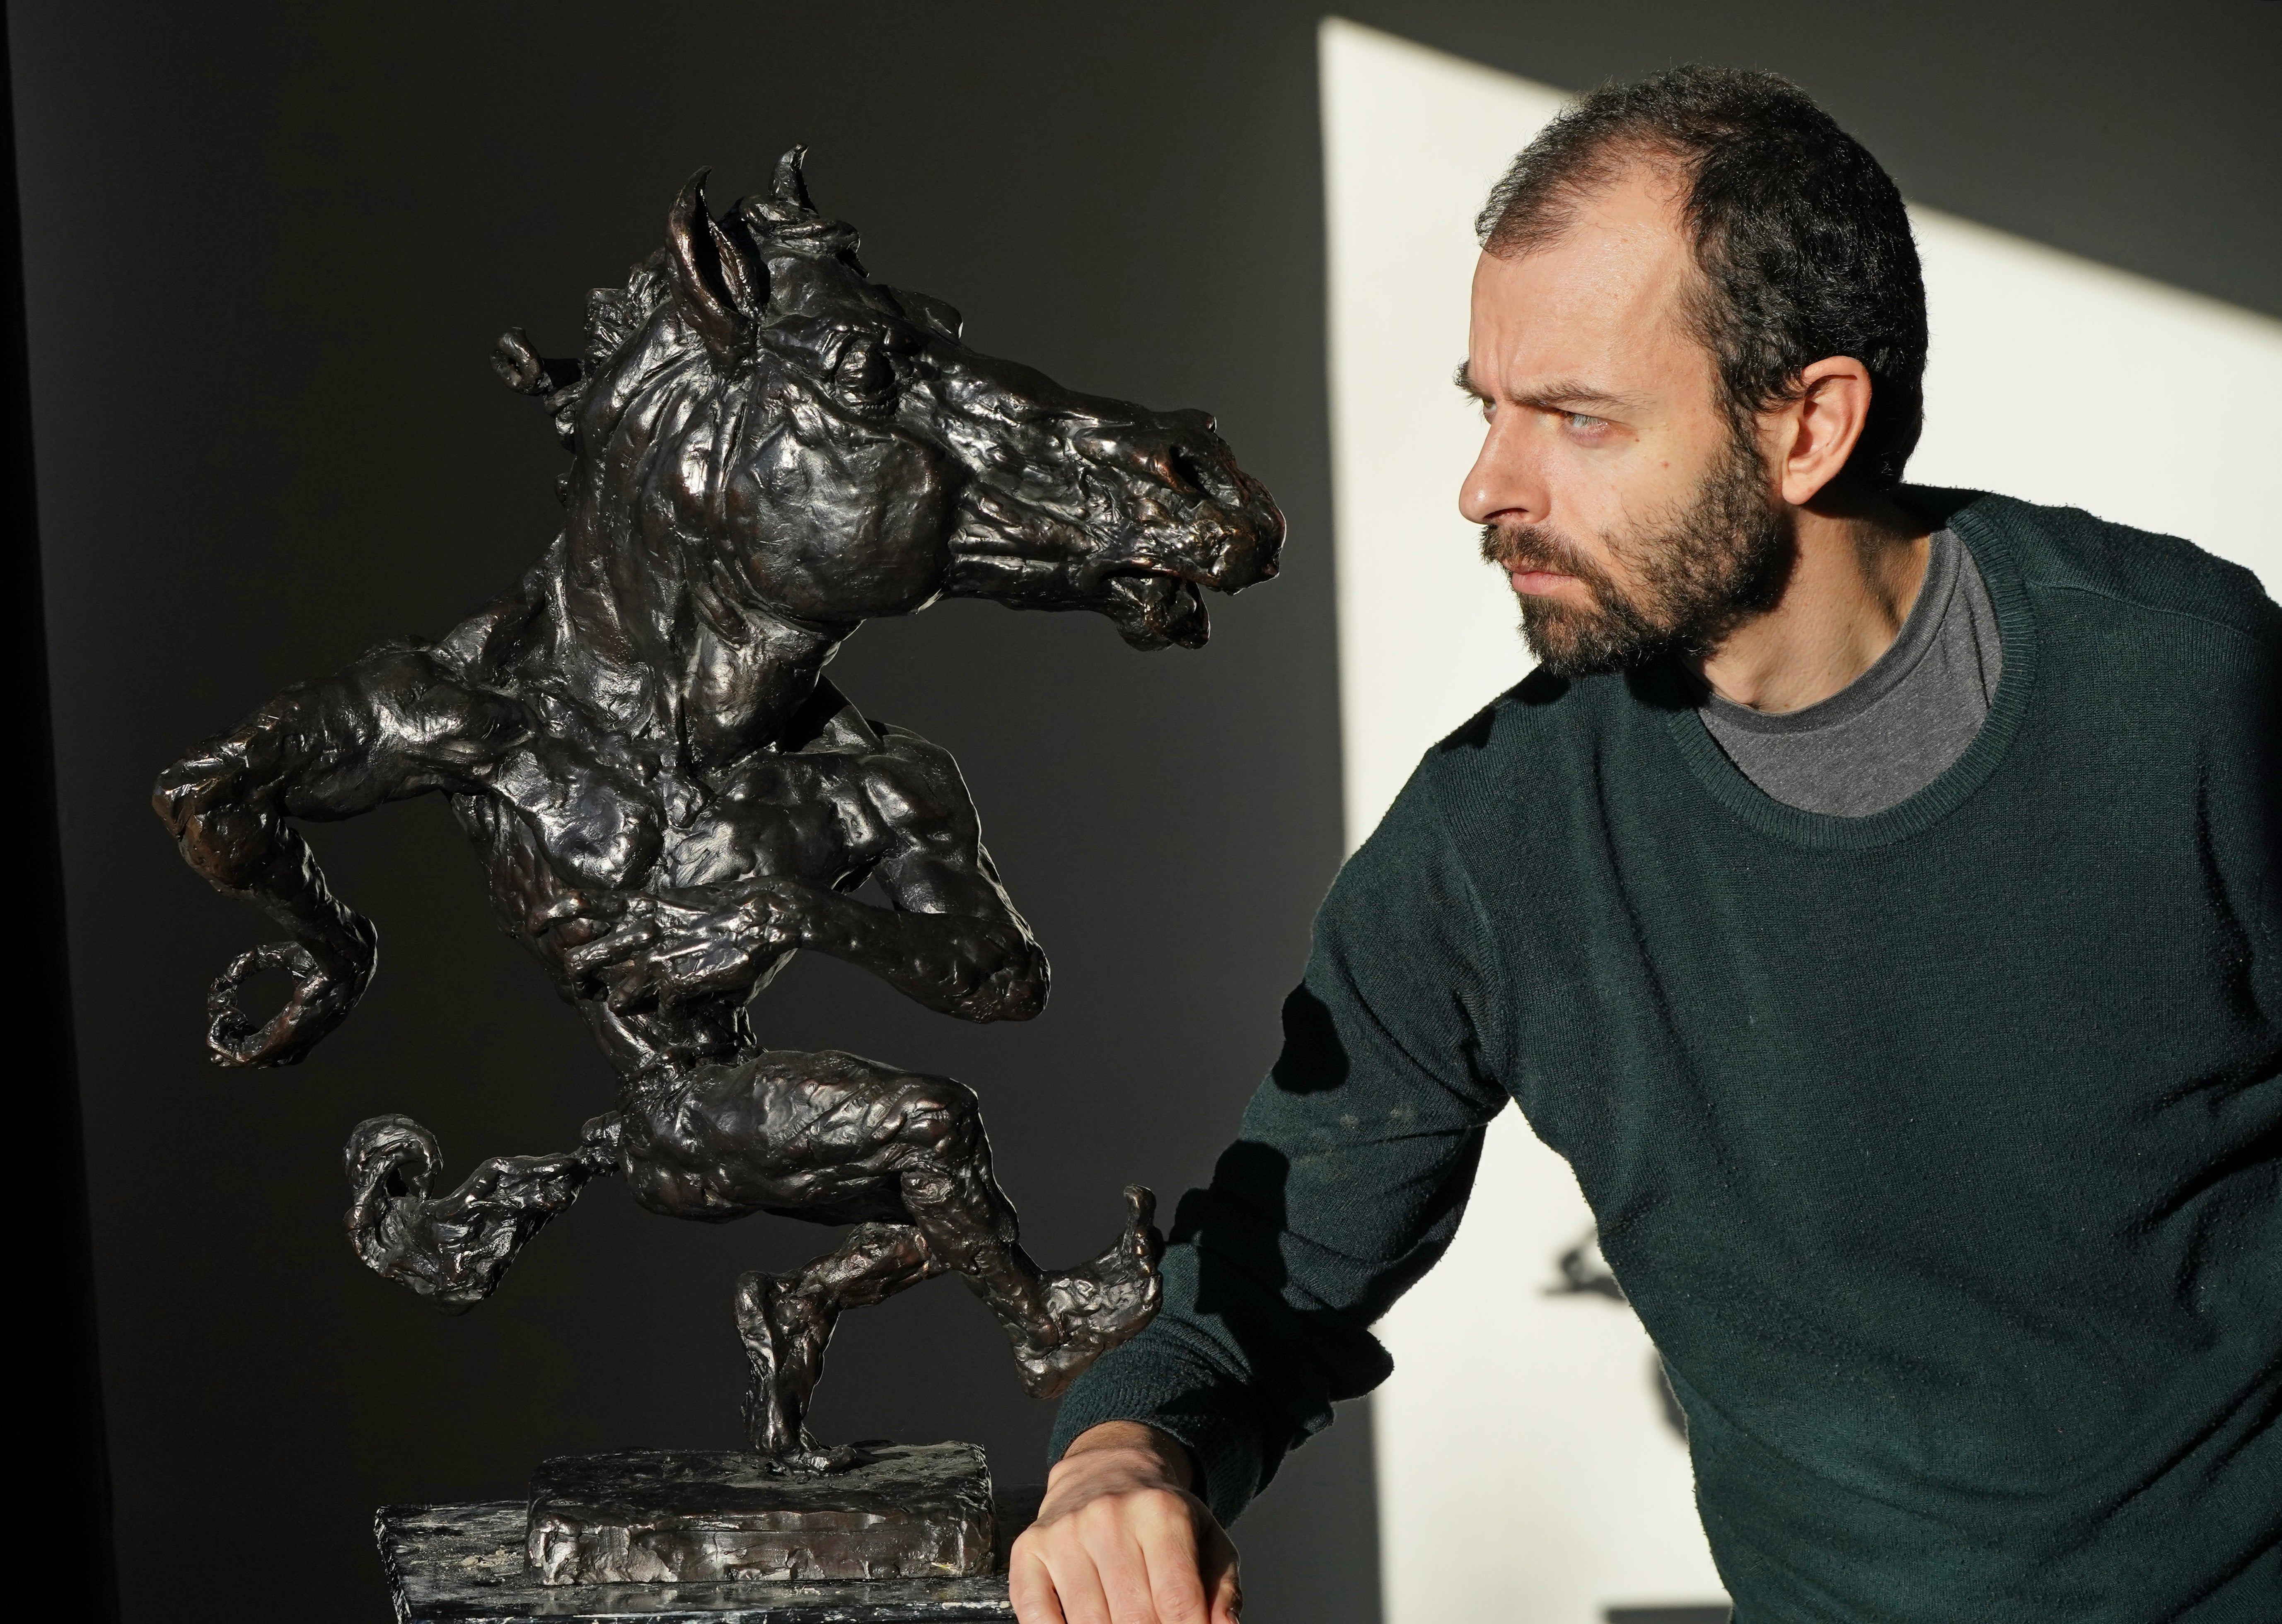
x,y
1526,1468
2056,379
1526,1472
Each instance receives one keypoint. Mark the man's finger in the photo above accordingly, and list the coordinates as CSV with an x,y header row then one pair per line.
x,y
1124,1573
619,943
1031,1589
1077,1585
628,986
1176,1583
1227,1599
588,960
1222,1577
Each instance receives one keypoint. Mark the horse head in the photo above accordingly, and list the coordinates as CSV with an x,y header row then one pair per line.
x,y
759,429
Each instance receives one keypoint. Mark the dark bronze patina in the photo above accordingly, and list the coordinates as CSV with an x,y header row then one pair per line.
x,y
768,448
682,1517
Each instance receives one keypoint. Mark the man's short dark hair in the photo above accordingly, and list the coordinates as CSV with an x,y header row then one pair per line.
x,y
1802,238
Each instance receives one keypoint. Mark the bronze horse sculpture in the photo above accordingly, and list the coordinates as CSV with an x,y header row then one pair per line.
x,y
669,800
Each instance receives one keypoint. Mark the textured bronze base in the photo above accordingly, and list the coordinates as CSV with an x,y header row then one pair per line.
x,y
464,1565
679,1516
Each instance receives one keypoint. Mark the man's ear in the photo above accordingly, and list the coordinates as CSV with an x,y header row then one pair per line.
x,y
1815,431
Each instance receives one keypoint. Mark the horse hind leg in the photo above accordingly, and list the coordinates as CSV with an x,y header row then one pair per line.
x,y
1099,1305
1058,1322
453,1249
785,1323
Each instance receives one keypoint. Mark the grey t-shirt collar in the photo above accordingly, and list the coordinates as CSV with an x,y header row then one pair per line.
x,y
1895,729
1923,624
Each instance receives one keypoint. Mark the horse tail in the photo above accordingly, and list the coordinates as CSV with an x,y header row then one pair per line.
x,y
453,1249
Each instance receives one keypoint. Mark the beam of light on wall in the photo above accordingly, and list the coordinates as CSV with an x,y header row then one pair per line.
x,y
1526,1466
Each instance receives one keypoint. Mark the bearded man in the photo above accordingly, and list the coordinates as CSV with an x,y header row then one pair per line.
x,y
1873,894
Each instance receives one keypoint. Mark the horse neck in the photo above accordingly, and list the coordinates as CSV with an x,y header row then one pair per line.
x,y
712,676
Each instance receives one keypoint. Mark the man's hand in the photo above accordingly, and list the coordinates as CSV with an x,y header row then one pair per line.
x,y
1120,1540
667,950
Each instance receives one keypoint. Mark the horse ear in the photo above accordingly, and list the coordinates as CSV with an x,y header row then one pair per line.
x,y
718,290
792,186
526,370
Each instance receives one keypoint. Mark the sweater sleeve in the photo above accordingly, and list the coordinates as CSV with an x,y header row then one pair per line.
x,y
1347,1180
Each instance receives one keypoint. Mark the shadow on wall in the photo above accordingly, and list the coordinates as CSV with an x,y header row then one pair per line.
x,y
1585,1272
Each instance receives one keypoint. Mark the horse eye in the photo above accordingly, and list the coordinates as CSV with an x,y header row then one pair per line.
x,y
864,371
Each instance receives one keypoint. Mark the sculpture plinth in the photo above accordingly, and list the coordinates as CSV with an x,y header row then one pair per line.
x,y
465,1563
681,1517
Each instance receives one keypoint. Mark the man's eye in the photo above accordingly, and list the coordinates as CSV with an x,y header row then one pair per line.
x,y
1582,424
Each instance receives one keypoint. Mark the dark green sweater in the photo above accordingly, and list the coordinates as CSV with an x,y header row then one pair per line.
x,y
1937,1149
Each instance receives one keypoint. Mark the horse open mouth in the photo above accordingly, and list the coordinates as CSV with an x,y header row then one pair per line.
x,y
1029,559
1151,609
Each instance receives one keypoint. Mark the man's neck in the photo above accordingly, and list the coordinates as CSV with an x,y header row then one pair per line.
x,y
1855,574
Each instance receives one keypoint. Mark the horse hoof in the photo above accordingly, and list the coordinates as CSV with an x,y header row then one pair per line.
x,y
1098,1307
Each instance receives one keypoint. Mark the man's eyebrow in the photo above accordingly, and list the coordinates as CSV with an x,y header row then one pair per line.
x,y
1564,396
1569,396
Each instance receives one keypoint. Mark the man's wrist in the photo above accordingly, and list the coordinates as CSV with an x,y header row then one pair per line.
x,y
1174,1458
780,914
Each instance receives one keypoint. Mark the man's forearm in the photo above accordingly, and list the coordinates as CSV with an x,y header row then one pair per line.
x,y
978,968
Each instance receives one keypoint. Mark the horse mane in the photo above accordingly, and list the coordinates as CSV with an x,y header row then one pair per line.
x,y
645,360
781,224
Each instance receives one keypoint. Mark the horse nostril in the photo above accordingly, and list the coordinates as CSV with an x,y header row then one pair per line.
x,y
1183,471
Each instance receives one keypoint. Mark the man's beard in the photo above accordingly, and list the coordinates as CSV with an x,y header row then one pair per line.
x,y
1704,570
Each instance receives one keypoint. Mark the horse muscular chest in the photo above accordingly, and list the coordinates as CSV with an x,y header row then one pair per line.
x,y
800,816
594,820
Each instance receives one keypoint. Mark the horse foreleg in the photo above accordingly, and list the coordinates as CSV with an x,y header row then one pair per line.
x,y
786,1322
452,1249
398,722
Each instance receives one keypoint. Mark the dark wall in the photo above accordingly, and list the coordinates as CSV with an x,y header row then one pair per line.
x,y
266,250
269,252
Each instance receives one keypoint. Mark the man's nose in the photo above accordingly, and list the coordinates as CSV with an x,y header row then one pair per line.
x,y
1506,482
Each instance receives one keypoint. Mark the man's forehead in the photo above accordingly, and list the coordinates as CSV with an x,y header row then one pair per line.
x,y
1606,288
